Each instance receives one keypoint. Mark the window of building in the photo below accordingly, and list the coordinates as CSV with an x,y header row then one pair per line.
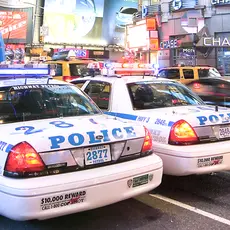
x,y
223,56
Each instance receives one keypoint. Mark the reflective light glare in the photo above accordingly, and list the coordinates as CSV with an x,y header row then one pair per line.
x,y
78,155
116,150
182,132
196,85
147,146
24,158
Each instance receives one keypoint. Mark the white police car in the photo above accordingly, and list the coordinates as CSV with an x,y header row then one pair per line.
x,y
59,154
189,136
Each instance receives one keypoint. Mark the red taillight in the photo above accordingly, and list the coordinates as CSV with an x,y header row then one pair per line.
x,y
148,145
24,158
196,85
182,133
69,78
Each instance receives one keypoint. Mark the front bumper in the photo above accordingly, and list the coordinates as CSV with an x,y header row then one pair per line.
x,y
195,159
53,196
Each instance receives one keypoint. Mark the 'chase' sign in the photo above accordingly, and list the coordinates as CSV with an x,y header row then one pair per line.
x,y
182,4
220,2
216,42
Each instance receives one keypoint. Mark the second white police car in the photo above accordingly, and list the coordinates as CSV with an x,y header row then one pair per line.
x,y
59,154
189,136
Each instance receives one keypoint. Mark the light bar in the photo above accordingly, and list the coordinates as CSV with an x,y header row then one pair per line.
x,y
129,66
35,70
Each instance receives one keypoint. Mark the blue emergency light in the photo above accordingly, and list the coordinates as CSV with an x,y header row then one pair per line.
x,y
27,70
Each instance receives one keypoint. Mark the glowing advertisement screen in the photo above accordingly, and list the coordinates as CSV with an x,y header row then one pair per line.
x,y
87,21
13,24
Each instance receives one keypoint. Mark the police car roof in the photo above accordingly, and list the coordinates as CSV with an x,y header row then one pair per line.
x,y
126,79
30,81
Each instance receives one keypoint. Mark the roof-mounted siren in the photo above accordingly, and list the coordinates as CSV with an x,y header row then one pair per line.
x,y
27,70
71,55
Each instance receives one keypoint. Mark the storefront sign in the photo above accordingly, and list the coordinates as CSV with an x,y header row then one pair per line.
x,y
170,44
79,53
220,2
151,24
153,44
216,42
13,24
15,52
102,54
182,4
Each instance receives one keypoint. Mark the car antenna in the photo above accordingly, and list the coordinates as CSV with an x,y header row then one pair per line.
x,y
216,108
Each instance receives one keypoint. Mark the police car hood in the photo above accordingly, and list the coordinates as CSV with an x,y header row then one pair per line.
x,y
203,115
69,132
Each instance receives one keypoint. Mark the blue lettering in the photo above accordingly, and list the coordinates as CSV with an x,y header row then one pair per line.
x,y
213,118
92,139
202,120
106,135
55,141
116,135
73,141
2,145
130,132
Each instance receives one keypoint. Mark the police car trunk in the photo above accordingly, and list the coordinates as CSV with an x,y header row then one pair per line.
x,y
58,151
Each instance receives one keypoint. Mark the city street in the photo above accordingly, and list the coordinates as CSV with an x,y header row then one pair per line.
x,y
193,202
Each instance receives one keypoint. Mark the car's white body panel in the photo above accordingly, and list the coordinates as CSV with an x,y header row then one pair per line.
x,y
177,160
60,140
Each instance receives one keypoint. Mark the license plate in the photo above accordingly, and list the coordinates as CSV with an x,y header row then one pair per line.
x,y
140,180
97,154
209,161
224,132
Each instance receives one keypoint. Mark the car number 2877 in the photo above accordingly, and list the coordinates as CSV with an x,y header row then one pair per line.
x,y
97,154
224,132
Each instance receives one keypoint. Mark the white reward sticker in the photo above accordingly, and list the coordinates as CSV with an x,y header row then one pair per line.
x,y
62,200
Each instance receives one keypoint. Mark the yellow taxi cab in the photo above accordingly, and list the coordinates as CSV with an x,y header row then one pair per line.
x,y
67,70
187,74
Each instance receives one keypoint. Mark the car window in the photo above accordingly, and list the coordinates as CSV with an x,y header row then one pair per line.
x,y
152,95
78,69
31,102
79,84
188,73
162,73
173,74
100,93
129,11
58,71
208,72
203,87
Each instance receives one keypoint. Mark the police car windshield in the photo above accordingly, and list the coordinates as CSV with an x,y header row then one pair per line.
x,y
152,95
32,102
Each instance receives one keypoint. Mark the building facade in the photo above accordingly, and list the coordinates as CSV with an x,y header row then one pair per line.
x,y
191,32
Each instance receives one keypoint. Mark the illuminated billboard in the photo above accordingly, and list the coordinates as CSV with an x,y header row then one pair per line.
x,y
74,21
13,24
16,25
137,36
87,21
